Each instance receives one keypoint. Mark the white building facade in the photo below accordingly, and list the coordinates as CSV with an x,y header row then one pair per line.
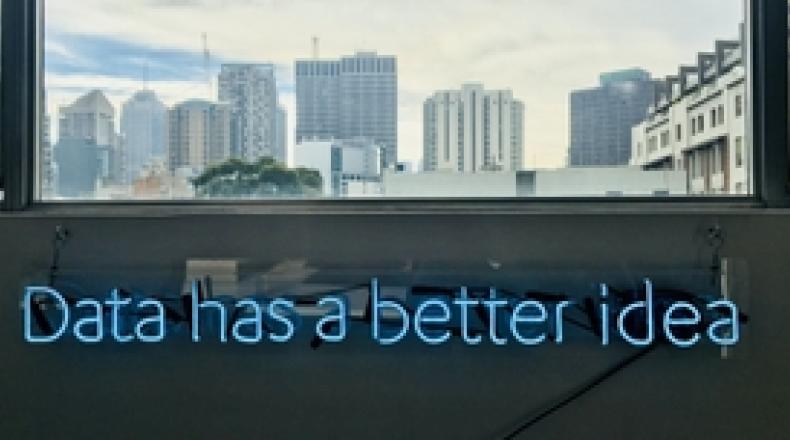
x,y
473,130
698,125
342,163
566,182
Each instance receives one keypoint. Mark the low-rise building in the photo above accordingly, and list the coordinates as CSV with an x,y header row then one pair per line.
x,y
697,125
341,162
567,182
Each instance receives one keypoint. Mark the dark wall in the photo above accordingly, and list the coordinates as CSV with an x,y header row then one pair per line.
x,y
358,390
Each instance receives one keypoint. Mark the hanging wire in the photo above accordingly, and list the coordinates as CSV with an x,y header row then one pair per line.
x,y
58,242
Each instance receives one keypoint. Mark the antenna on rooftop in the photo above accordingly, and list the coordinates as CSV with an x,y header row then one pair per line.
x,y
207,63
316,48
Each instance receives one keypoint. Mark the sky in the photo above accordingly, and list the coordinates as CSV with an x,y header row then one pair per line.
x,y
541,49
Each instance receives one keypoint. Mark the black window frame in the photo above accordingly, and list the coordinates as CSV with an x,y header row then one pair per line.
x,y
767,94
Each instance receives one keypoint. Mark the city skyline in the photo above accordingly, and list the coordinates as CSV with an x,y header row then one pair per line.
x,y
547,52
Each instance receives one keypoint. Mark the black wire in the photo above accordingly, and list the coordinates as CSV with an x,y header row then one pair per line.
x,y
586,388
61,234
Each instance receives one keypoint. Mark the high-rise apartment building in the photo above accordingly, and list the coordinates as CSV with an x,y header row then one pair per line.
x,y
356,96
250,90
198,135
143,119
601,118
472,130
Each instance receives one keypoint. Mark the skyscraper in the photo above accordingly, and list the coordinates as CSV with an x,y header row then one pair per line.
x,y
317,100
143,131
91,117
356,96
87,152
198,135
472,130
601,118
250,90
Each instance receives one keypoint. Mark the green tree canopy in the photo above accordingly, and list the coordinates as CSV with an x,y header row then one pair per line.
x,y
264,178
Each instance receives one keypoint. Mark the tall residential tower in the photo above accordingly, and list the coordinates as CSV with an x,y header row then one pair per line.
x,y
198,135
472,130
250,90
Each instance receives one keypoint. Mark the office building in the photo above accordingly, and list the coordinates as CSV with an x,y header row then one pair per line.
x,y
356,96
87,146
198,135
473,130
143,119
341,162
697,125
317,100
601,118
250,91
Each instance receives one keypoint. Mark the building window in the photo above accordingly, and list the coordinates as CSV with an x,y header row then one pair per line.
x,y
652,144
738,106
665,139
713,118
721,114
716,168
678,132
739,152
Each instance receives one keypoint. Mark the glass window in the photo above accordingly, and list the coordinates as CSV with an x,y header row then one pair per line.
x,y
739,152
738,106
253,99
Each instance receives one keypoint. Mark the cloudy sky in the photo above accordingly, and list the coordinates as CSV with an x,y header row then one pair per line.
x,y
541,49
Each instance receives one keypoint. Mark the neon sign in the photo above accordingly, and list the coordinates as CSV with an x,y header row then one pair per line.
x,y
50,317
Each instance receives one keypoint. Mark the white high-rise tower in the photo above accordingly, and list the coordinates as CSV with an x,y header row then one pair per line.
x,y
472,130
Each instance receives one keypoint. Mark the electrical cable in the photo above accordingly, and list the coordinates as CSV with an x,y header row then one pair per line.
x,y
583,390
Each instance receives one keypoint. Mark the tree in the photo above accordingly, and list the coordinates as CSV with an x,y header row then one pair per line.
x,y
264,178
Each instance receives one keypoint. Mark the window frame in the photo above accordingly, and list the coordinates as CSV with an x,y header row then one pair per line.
x,y
767,86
